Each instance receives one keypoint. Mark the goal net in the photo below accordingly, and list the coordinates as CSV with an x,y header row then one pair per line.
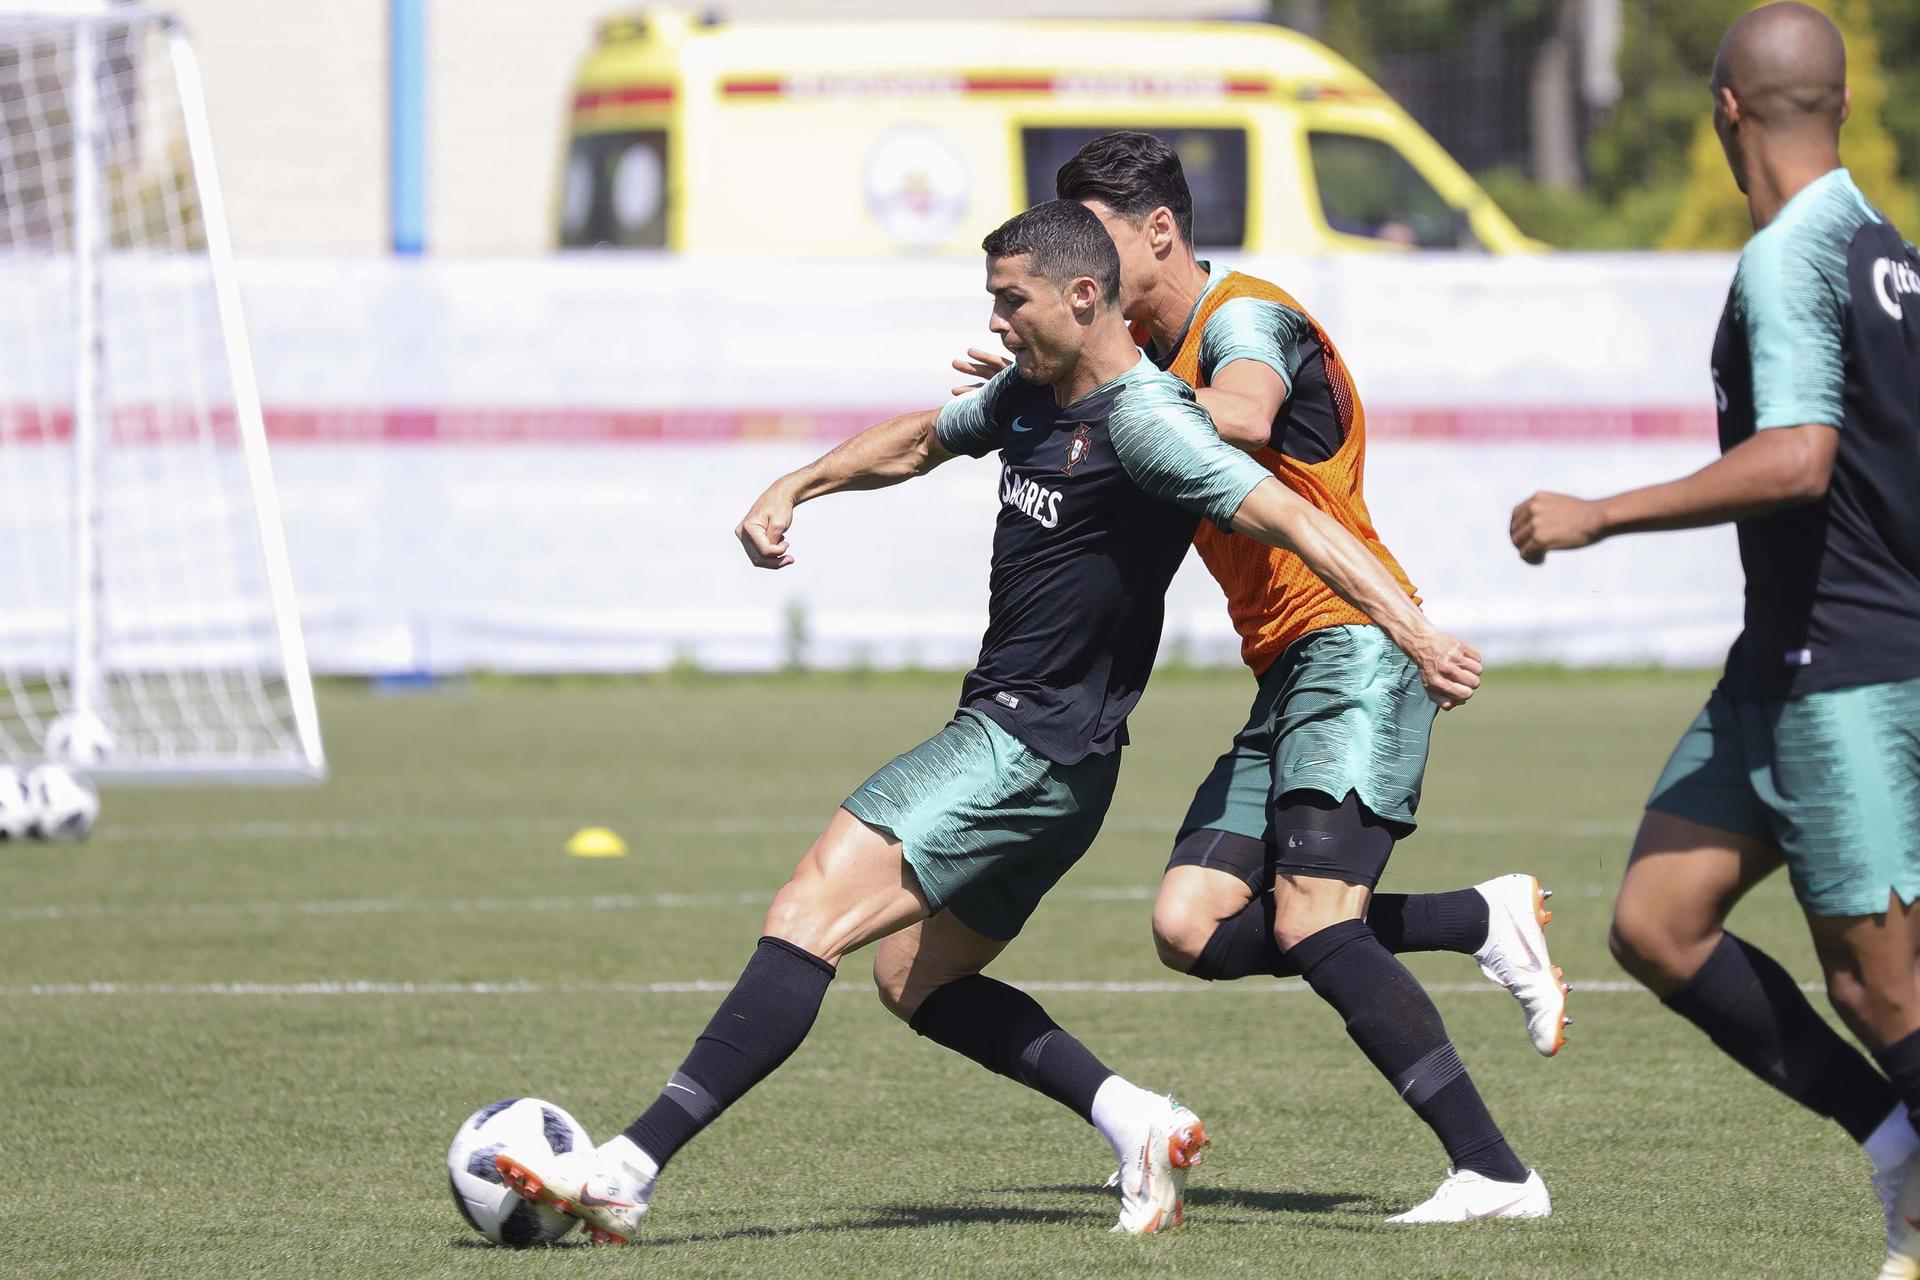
x,y
147,622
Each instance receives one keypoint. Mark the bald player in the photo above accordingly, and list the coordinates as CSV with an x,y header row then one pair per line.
x,y
1808,751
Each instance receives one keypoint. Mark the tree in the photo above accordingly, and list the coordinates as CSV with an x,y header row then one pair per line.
x,y
1712,212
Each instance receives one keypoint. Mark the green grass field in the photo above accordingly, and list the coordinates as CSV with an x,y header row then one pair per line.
x,y
194,1086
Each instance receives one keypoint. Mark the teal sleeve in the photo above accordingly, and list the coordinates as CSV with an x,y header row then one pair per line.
x,y
1254,329
1795,323
1167,444
970,424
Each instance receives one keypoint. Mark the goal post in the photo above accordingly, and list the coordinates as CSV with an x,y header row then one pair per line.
x,y
148,628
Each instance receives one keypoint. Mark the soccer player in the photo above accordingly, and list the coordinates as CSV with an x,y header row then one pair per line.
x,y
1273,869
1107,464
1808,751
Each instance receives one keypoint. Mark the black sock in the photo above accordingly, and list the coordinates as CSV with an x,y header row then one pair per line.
x,y
755,1029
1395,1024
1005,1030
1245,944
1901,1061
1759,1017
1452,921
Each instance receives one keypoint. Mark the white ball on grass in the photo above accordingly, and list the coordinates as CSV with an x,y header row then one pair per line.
x,y
478,1190
65,804
17,811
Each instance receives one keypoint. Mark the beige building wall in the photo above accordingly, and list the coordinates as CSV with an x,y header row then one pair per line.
x,y
297,98
298,94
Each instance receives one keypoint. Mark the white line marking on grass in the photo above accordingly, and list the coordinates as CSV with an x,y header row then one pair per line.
x,y
53,913
458,906
275,990
114,833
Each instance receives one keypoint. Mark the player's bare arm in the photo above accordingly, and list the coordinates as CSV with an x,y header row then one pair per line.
x,y
884,454
1449,667
1243,400
1775,469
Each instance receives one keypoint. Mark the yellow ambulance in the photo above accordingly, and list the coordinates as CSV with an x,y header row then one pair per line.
x,y
841,137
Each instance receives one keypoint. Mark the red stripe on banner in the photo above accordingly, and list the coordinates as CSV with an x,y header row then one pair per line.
x,y
631,96
1009,84
902,84
464,425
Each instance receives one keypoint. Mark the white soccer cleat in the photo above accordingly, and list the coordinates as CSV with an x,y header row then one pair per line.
x,y
1467,1196
1515,956
1153,1181
607,1193
1899,1190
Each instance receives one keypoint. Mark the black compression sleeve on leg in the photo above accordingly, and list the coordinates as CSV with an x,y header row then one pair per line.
x,y
756,1028
1758,1016
1005,1030
1452,921
1244,945
1395,1024
1901,1061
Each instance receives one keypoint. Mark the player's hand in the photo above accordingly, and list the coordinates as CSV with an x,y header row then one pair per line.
x,y
1553,522
763,531
978,364
1449,668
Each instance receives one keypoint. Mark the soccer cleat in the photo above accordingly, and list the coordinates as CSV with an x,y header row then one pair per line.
x,y
1515,956
1467,1196
1899,1190
1153,1182
607,1194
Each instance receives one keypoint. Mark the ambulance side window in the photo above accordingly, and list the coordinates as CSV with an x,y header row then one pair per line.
x,y
615,191
1215,162
1367,188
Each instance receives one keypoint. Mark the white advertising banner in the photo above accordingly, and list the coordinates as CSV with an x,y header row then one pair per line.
x,y
537,464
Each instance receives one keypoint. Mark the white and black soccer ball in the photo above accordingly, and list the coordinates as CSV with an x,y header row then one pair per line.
x,y
64,803
484,1201
17,811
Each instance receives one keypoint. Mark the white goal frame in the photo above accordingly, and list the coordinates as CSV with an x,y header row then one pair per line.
x,y
83,733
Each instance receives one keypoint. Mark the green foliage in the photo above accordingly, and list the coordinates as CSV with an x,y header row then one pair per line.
x,y
1582,219
1712,212
1654,172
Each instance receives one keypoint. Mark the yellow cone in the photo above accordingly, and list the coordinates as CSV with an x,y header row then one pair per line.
x,y
596,842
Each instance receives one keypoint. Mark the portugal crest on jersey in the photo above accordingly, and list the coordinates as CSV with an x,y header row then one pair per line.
x,y
1078,448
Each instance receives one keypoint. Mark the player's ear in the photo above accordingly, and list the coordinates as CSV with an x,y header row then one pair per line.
x,y
1161,230
1083,294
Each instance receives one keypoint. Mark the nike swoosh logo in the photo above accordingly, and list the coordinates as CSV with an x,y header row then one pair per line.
x,y
1308,764
682,1088
1498,1209
588,1200
1018,427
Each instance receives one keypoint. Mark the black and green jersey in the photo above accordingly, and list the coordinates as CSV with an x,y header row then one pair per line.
x,y
1822,326
1098,503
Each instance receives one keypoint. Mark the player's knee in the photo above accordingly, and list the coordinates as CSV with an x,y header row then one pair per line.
x,y
1649,948
795,916
1180,933
892,982
1880,1013
1189,910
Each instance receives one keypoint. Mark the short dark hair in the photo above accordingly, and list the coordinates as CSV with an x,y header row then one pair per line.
x,y
1132,174
1062,241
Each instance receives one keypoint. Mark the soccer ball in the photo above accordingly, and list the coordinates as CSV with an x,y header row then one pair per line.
x,y
484,1201
64,803
17,810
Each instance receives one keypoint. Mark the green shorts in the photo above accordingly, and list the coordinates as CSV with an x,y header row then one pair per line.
x,y
1342,710
987,825
1832,778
